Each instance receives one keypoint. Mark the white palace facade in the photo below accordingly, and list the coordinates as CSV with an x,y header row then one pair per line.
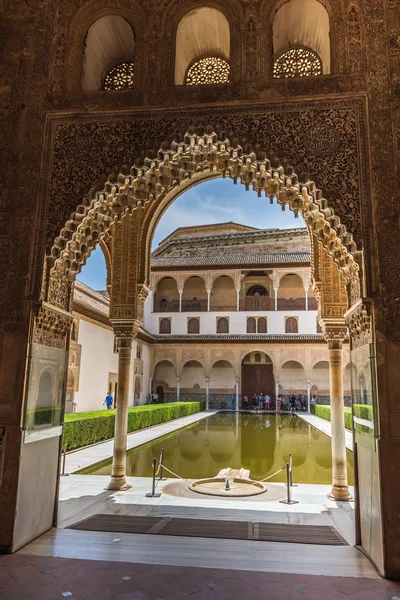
x,y
231,311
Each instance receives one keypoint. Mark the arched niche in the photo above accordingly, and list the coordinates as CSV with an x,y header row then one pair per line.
x,y
203,32
164,376
303,24
166,295
109,42
223,294
291,286
192,377
320,378
194,297
222,377
292,378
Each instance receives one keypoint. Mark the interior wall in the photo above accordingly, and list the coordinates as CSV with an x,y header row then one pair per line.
x,y
222,378
194,288
292,378
291,286
303,23
109,41
165,375
167,288
193,375
202,32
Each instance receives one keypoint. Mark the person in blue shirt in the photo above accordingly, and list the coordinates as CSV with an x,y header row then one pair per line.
x,y
108,401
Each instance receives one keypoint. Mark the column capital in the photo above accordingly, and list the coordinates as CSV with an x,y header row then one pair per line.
x,y
334,331
125,332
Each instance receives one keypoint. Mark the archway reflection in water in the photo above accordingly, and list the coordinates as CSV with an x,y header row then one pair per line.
x,y
258,442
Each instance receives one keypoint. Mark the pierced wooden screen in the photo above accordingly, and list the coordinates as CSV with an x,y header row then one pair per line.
x,y
251,325
165,326
120,77
193,326
291,325
298,62
208,70
223,325
262,325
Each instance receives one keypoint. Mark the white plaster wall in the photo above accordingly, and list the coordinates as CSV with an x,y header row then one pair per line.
x,y
307,320
97,361
146,357
36,490
193,374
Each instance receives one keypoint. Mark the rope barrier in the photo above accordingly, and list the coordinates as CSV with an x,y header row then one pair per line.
x,y
174,474
273,474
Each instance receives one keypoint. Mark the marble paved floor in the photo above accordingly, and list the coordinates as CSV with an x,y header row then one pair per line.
x,y
27,576
91,455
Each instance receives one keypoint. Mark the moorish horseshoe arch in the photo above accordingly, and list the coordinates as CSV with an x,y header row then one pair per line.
x,y
150,188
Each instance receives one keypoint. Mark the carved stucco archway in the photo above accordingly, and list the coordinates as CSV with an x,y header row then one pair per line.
x,y
146,191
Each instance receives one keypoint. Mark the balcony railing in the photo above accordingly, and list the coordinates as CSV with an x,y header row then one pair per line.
x,y
291,304
257,303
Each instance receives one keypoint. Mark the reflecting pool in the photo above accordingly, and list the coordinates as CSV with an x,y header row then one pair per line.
x,y
259,442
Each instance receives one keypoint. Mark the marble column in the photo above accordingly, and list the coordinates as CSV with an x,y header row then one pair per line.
x,y
180,300
335,332
308,395
118,472
276,388
208,300
238,299
237,395
207,393
306,291
178,389
276,298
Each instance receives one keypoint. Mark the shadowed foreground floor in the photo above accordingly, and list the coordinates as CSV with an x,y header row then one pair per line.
x,y
23,576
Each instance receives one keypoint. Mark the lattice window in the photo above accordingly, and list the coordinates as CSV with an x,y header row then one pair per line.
x,y
251,325
120,77
193,326
298,62
208,70
222,325
165,325
257,357
291,325
262,325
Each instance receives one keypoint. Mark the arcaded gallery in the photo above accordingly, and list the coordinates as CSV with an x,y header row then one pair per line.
x,y
200,300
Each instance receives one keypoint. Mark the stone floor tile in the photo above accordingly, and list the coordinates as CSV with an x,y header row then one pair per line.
x,y
279,591
324,591
149,579
166,569
179,596
255,594
211,591
160,590
185,583
7,586
224,573
122,587
235,585
298,580
132,596
257,578
46,592
366,594
24,572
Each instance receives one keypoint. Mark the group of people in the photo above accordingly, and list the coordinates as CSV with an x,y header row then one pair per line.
x,y
263,402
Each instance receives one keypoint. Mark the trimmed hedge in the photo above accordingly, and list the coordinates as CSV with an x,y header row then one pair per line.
x,y
44,415
83,429
363,411
324,411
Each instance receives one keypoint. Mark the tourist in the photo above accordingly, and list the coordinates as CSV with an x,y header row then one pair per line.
x,y
313,399
293,406
246,403
254,402
233,401
260,399
300,402
278,403
267,401
108,401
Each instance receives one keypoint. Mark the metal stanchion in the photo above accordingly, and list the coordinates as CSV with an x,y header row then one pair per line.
x,y
288,488
160,466
153,494
291,471
64,456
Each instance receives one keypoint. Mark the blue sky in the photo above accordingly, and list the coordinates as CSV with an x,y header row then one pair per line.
x,y
214,201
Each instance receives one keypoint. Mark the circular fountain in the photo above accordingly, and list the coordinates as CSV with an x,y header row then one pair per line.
x,y
229,483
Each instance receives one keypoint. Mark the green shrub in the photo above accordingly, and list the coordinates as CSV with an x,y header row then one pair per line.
x,y
363,411
83,429
44,415
324,411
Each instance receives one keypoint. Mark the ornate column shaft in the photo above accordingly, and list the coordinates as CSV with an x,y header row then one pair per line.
x,y
178,388
308,394
180,300
118,473
335,331
207,393
276,298
237,299
306,291
237,395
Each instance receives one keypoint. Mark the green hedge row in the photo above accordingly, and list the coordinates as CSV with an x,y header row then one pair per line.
x,y
45,415
363,411
324,411
83,429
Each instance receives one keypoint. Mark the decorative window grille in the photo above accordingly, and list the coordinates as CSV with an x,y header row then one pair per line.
x,y
222,325
120,77
257,357
251,325
208,70
262,325
298,62
165,325
193,326
291,325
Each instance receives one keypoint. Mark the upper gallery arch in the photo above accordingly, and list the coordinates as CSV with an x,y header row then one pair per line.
x,y
102,37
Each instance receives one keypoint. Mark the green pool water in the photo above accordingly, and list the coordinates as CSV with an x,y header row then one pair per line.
x,y
260,443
